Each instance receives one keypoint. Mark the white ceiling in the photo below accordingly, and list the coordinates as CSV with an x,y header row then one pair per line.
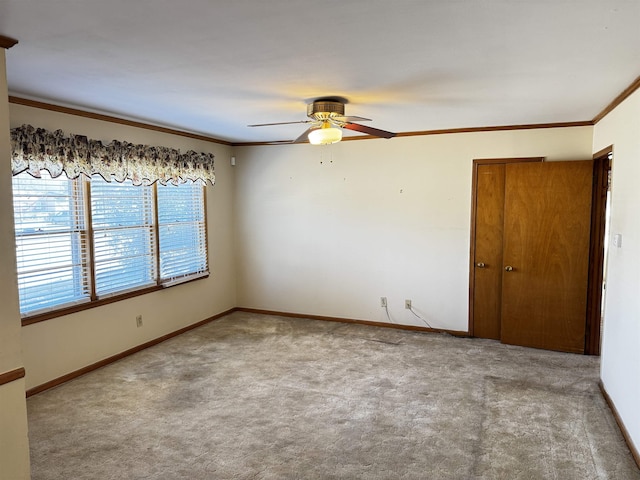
x,y
214,66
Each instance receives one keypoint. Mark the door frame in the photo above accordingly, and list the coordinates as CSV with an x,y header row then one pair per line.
x,y
601,168
474,204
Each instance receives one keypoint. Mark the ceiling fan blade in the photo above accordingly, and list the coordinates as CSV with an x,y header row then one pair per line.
x,y
279,123
369,130
304,137
342,118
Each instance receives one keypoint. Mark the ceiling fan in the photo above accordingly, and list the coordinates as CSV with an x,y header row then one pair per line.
x,y
327,121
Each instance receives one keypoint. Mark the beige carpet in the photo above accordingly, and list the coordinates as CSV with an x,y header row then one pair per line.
x,y
263,397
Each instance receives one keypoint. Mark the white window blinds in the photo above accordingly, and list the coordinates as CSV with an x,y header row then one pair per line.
x,y
183,240
50,242
84,240
123,236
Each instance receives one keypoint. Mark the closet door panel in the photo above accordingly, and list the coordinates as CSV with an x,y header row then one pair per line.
x,y
545,255
488,251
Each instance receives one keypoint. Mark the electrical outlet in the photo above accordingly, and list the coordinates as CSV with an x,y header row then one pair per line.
x,y
407,304
383,301
138,321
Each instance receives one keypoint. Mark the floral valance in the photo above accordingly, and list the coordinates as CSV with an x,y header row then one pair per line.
x,y
37,149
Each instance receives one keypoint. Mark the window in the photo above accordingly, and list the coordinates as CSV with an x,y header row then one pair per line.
x,y
183,239
123,236
81,241
51,240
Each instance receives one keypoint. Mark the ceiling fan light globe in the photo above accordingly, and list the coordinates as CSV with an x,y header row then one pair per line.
x,y
325,136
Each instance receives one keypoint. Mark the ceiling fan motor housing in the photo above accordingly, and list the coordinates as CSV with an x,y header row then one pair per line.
x,y
324,109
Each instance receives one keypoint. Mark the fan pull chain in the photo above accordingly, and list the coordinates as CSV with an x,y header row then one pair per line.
x,y
322,152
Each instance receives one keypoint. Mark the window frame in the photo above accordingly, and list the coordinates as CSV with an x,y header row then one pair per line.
x,y
83,183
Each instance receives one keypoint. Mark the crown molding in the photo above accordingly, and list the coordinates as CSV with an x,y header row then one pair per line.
x,y
108,118
7,42
584,123
618,100
499,128
133,123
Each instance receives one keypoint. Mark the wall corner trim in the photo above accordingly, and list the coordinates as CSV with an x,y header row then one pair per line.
x,y
12,376
623,429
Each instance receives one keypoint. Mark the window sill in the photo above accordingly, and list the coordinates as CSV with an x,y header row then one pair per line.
x,y
41,317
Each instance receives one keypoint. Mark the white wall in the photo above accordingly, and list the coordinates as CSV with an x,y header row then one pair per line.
x,y
14,446
329,230
61,345
620,365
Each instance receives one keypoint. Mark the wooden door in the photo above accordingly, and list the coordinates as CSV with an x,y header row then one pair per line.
x,y
487,261
485,277
546,254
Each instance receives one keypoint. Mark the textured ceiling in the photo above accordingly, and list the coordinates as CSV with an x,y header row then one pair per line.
x,y
213,67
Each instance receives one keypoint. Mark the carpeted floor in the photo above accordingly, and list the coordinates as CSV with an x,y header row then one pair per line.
x,y
263,397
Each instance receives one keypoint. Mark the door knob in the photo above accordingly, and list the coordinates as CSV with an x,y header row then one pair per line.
x,y
480,265
508,268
